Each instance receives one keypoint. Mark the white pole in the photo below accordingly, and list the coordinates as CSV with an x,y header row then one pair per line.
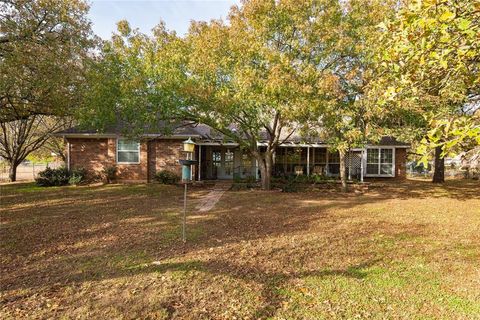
x,y
361,165
200,162
184,237
308,160
68,156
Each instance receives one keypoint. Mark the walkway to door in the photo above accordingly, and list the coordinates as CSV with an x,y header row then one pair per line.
x,y
214,196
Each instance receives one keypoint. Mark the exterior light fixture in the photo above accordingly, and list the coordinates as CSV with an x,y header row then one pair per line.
x,y
189,145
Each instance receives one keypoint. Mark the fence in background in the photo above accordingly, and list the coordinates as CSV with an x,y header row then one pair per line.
x,y
449,173
26,171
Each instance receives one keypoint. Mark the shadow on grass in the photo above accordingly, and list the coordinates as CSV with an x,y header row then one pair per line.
x,y
271,283
60,236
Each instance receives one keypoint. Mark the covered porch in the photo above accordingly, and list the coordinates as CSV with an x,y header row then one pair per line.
x,y
227,161
315,160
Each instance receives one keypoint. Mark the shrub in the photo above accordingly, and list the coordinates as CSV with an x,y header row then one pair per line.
x,y
317,178
290,186
53,177
237,178
250,179
167,177
77,176
110,173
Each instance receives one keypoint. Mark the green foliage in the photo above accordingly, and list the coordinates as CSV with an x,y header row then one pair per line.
x,y
110,173
43,45
77,176
167,177
290,185
428,74
53,177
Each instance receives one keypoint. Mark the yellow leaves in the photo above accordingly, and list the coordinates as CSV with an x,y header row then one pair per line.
x,y
463,24
444,64
447,15
390,93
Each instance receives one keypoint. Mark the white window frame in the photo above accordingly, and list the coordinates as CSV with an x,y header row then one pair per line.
x,y
379,162
138,150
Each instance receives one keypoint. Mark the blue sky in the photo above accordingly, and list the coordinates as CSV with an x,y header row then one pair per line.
x,y
144,15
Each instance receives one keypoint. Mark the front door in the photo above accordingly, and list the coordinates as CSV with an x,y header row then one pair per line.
x,y
222,162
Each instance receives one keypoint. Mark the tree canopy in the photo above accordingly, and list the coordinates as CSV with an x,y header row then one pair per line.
x,y
42,47
429,72
353,70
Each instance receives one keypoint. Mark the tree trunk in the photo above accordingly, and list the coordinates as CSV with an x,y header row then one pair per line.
x,y
12,172
265,164
439,166
343,176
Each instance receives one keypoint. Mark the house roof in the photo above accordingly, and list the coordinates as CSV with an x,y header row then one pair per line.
x,y
206,133
163,129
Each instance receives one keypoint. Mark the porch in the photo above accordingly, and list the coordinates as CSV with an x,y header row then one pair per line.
x,y
225,162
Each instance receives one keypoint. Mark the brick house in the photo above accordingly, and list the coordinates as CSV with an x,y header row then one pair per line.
x,y
219,158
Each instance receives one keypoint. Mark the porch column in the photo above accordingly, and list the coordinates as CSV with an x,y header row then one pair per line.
x,y
349,164
308,160
68,155
199,162
361,165
256,169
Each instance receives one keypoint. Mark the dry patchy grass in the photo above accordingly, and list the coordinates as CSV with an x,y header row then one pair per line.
x,y
113,252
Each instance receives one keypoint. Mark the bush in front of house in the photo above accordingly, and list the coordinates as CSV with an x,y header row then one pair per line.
x,y
77,176
167,177
53,177
110,173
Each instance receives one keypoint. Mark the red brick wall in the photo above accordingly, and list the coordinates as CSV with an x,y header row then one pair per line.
x,y
91,154
400,163
167,154
152,159
155,155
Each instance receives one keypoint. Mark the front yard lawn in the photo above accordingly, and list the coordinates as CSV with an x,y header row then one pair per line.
x,y
114,252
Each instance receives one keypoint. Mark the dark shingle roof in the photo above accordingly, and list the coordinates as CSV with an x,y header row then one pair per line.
x,y
391,141
183,129
162,129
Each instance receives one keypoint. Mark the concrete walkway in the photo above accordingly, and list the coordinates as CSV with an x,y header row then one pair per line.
x,y
214,196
